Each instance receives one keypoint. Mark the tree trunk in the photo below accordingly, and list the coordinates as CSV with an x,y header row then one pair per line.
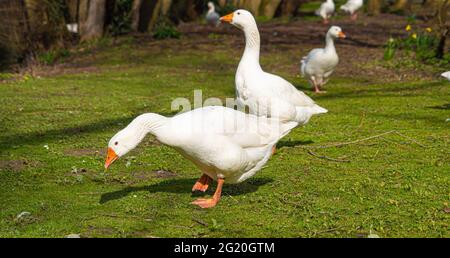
x,y
165,6
443,8
72,7
222,3
149,14
252,6
269,7
402,5
95,20
135,14
289,7
374,7
83,9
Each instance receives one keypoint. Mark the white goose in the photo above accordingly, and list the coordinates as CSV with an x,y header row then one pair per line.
x,y
223,143
263,93
212,17
446,75
326,10
320,63
351,7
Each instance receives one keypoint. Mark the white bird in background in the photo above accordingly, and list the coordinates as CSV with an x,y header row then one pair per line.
x,y
263,93
446,75
326,10
212,17
72,27
225,144
320,63
351,7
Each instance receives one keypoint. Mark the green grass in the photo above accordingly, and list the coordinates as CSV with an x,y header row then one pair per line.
x,y
393,186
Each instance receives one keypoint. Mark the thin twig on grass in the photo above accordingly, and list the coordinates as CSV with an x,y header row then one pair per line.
x,y
327,230
346,143
327,158
411,139
362,120
199,221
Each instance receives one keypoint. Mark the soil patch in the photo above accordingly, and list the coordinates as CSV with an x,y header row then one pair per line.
x,y
16,165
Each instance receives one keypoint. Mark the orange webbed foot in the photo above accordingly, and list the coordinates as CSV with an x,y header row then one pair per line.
x,y
202,184
209,203
205,203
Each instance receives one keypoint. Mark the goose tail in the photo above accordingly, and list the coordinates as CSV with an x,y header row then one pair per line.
x,y
305,113
316,109
303,66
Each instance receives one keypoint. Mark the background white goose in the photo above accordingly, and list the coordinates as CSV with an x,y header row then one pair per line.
x,y
326,10
351,7
72,27
212,17
446,75
320,63
263,93
224,143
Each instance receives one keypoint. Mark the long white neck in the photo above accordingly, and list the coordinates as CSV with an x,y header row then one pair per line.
x,y
146,123
329,44
211,9
252,46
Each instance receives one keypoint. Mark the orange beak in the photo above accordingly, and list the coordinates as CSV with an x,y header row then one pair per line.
x,y
227,18
342,35
110,158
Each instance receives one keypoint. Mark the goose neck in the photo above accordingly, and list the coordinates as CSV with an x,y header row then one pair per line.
x,y
329,43
252,44
211,9
148,123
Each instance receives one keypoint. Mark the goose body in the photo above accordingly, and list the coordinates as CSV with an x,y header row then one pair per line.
x,y
263,93
320,63
326,10
72,27
212,17
225,144
351,7
446,75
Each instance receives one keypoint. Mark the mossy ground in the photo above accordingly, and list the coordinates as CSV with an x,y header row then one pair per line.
x,y
54,131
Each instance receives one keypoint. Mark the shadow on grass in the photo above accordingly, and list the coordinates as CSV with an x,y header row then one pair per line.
x,y
282,144
185,186
441,107
381,92
8,142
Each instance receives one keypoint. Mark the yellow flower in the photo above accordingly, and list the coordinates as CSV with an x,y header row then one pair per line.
x,y
428,29
414,35
408,27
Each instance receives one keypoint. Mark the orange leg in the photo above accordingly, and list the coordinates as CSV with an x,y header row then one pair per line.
x,y
209,203
274,149
202,184
316,86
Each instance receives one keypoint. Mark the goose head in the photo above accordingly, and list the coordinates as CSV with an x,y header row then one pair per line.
x,y
211,6
240,18
128,138
336,32
121,143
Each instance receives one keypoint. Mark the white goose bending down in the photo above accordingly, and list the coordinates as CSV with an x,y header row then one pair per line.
x,y
212,17
446,75
351,7
263,93
225,144
326,10
320,63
